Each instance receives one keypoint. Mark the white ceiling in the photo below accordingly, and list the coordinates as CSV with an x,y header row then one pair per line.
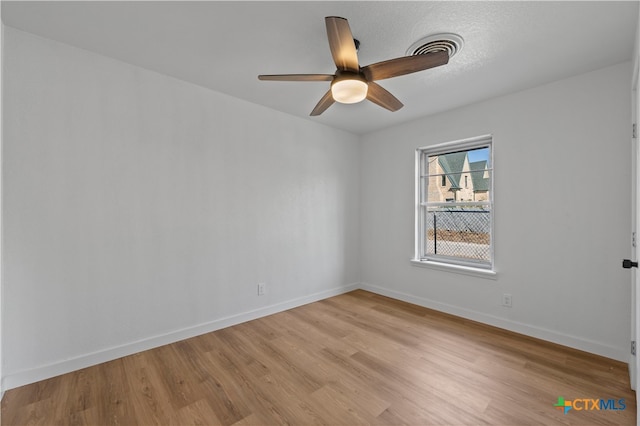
x,y
508,46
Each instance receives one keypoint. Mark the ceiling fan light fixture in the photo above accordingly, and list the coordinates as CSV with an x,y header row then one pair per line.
x,y
349,89
352,83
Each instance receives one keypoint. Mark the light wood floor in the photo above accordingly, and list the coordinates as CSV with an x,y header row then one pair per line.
x,y
352,359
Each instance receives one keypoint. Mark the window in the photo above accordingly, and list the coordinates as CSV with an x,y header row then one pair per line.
x,y
454,223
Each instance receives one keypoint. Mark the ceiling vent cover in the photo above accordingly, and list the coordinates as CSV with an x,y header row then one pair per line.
x,y
447,42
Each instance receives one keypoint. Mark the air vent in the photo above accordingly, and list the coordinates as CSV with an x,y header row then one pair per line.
x,y
447,42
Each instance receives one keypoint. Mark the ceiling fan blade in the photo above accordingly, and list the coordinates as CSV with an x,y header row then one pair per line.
x,y
325,102
404,65
297,77
343,48
380,96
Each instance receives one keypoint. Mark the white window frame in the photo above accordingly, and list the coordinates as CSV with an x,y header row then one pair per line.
x,y
454,264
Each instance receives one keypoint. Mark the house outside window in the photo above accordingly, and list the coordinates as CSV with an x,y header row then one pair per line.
x,y
454,223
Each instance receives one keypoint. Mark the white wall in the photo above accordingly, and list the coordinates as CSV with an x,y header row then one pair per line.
x,y
558,251
139,209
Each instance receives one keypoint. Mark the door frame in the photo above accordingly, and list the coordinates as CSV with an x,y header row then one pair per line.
x,y
634,365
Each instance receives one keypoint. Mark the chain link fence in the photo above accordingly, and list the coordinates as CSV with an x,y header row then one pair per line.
x,y
459,233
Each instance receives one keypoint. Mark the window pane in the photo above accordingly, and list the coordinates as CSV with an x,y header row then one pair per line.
x,y
459,232
459,176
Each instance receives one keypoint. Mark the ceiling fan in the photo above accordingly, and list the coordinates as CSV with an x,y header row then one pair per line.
x,y
352,83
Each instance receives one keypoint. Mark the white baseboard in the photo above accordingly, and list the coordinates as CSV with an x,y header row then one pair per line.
x,y
20,378
586,345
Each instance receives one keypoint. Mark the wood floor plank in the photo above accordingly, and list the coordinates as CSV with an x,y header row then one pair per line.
x,y
148,395
357,358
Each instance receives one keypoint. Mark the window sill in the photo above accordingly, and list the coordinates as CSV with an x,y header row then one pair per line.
x,y
458,269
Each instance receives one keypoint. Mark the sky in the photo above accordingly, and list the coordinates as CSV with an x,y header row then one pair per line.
x,y
478,155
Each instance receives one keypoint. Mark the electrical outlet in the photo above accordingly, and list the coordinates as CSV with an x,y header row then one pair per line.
x,y
262,288
506,300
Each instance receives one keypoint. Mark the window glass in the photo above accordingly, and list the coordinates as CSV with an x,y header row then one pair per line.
x,y
455,203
